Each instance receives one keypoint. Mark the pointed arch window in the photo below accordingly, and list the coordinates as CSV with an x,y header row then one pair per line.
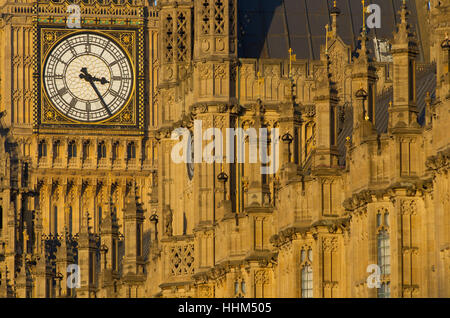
x,y
115,151
384,291
42,149
85,150
101,150
306,283
72,150
239,288
383,252
131,150
56,146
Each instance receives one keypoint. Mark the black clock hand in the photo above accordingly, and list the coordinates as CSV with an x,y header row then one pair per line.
x,y
102,80
86,76
89,78
100,96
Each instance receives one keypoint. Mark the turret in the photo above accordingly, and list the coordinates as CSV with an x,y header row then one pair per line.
x,y
133,218
87,248
109,251
403,112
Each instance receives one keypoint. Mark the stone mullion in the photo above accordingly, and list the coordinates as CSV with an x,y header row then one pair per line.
x,y
57,197
359,268
121,201
406,245
372,242
50,151
326,271
34,154
318,269
416,251
79,146
48,205
166,176
66,206
121,153
7,84
396,252
63,152
139,153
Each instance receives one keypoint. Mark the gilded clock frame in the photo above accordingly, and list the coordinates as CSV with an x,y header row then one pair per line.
x,y
129,38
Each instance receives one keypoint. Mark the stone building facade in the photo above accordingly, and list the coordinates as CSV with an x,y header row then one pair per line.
x,y
362,186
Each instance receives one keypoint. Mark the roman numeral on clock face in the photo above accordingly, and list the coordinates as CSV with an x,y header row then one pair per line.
x,y
62,91
73,102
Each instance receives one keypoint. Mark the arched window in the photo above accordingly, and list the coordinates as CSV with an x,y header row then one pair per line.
x,y
42,149
384,252
131,150
101,150
56,149
307,281
85,150
72,149
306,258
239,288
385,290
115,151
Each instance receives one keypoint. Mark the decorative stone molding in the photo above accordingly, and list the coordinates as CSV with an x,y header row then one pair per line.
x,y
408,207
440,162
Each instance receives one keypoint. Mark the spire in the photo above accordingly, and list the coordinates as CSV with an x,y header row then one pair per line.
x,y
292,58
404,12
363,2
335,12
404,52
404,33
363,52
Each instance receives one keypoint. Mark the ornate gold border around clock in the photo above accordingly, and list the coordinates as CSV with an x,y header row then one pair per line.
x,y
114,27
118,36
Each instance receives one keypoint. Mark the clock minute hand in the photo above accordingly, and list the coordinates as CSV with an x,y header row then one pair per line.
x,y
91,79
100,96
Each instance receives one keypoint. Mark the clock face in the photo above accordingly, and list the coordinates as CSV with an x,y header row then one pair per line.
x,y
88,77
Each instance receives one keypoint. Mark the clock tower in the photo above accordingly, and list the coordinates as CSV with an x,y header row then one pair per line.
x,y
76,89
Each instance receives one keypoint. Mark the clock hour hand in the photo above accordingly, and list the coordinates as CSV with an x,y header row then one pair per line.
x,y
102,80
88,77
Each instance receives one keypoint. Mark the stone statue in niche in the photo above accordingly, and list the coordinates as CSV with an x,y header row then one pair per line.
x,y
168,218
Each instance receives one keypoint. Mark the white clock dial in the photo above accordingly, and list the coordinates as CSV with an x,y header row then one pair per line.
x,y
88,77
